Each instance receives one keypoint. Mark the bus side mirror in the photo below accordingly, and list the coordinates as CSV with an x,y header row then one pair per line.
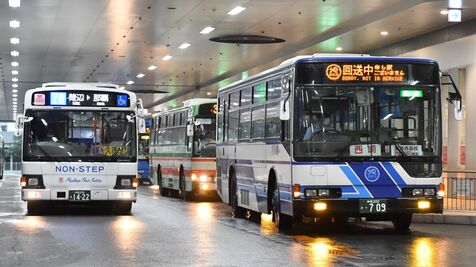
x,y
284,110
20,121
458,110
142,127
190,130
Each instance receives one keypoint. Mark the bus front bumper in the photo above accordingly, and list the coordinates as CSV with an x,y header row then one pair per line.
x,y
353,207
63,194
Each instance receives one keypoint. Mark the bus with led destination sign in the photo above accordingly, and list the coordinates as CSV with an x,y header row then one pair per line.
x,y
80,145
332,137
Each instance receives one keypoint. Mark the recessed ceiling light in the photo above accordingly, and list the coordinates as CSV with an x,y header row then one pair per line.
x,y
130,82
14,95
184,45
152,67
207,30
15,64
14,24
14,100
166,57
209,93
15,91
15,79
235,11
14,85
14,3
339,48
444,12
14,53
383,33
122,87
140,75
14,40
14,72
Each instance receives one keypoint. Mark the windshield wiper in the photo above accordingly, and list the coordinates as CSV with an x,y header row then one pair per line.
x,y
124,145
399,148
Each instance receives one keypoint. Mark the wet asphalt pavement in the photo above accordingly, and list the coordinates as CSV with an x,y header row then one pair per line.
x,y
165,231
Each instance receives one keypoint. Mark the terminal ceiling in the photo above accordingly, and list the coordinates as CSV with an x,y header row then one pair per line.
x,y
115,40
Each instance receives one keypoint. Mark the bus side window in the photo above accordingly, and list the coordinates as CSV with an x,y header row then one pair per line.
x,y
233,125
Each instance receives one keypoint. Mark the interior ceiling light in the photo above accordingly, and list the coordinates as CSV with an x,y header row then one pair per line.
x,y
14,79
455,3
14,100
14,24
15,91
166,57
140,75
152,67
444,12
14,72
14,85
383,33
15,64
130,82
207,30
339,48
14,3
235,11
14,53
184,45
246,39
14,40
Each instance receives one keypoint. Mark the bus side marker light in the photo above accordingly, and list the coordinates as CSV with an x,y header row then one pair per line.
x,y
135,182
441,190
296,190
23,181
320,206
423,204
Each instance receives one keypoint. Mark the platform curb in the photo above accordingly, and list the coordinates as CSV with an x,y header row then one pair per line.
x,y
444,219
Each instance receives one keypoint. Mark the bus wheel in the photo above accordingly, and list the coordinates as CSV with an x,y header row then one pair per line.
x,y
162,190
236,210
402,222
282,221
35,207
183,187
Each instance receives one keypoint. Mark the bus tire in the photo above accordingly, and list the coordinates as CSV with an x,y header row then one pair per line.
x,y
35,207
402,222
236,210
162,190
187,196
282,221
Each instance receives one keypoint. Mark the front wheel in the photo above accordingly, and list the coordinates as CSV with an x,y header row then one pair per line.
x,y
402,222
282,221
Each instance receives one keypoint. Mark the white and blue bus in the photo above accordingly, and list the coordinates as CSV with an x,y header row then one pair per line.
x,y
332,137
79,145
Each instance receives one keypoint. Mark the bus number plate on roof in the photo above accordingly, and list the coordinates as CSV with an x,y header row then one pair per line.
x,y
81,98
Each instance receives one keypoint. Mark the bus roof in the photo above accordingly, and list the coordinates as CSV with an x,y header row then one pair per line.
x,y
326,58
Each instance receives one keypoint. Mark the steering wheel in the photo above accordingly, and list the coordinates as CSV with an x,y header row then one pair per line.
x,y
332,131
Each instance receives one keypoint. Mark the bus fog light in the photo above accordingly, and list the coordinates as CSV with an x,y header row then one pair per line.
x,y
429,192
204,187
320,206
323,192
417,192
423,204
311,193
125,182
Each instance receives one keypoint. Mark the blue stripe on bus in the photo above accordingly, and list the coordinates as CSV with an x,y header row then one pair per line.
x,y
393,173
360,188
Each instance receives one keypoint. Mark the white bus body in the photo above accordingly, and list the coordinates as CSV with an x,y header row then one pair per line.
x,y
332,137
182,150
79,145
2,157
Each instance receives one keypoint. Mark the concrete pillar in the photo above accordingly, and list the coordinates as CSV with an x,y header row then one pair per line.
x,y
470,84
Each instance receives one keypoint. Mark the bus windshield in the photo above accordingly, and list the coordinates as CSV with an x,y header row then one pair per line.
x,y
338,122
62,135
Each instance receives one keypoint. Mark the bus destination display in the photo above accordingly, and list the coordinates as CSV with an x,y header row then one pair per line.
x,y
81,98
366,72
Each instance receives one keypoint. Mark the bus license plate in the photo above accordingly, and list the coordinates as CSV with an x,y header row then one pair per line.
x,y
373,206
78,195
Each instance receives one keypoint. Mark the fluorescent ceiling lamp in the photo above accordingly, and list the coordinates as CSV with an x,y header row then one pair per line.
x,y
14,24
140,75
209,93
14,100
130,82
122,87
14,95
388,116
14,85
454,15
207,30
14,53
152,67
15,91
14,79
14,3
14,40
15,64
444,12
383,33
235,11
339,48
14,72
184,45
166,57
455,3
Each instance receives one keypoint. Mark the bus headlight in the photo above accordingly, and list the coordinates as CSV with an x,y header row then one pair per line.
x,y
429,192
204,178
310,192
125,182
193,177
417,192
323,192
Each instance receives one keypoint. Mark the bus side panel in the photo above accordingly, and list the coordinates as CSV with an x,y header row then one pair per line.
x,y
278,159
222,174
250,172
